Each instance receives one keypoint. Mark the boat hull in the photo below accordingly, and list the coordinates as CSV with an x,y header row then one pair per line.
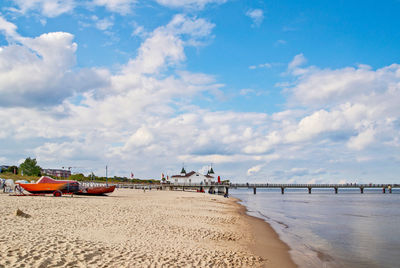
x,y
100,190
48,188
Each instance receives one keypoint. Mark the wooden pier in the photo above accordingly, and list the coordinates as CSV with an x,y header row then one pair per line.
x,y
335,187
224,188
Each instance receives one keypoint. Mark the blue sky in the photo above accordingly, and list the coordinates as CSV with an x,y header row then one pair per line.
x,y
283,91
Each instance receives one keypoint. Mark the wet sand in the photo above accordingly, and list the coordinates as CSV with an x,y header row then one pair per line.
x,y
131,228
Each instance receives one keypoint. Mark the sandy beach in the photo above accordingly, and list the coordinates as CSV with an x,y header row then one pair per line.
x,y
131,228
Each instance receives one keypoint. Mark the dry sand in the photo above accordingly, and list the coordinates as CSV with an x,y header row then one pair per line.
x,y
131,228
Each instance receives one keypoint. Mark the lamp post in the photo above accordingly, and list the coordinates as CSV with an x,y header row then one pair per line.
x,y
106,175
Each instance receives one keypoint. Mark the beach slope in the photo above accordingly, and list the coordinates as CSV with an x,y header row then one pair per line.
x,y
132,228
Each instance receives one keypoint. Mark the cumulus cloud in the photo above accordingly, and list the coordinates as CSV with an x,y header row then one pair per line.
x,y
362,140
9,29
257,16
357,113
48,59
48,8
324,86
128,114
165,46
54,8
142,137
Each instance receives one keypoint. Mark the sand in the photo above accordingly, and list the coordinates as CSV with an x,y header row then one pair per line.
x,y
131,228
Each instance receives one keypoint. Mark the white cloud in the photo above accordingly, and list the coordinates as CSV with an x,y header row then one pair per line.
x,y
254,170
359,105
246,91
9,29
49,60
297,61
165,46
191,4
46,58
103,24
123,7
262,65
195,27
280,42
362,140
323,86
94,124
48,8
139,31
257,15
142,137
160,50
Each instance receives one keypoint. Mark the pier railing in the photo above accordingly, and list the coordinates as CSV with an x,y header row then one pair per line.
x,y
296,185
336,187
219,187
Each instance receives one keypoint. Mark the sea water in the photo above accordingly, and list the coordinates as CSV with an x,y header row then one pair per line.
x,y
325,229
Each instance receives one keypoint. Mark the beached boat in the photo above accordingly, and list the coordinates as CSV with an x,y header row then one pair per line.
x,y
57,189
46,185
98,190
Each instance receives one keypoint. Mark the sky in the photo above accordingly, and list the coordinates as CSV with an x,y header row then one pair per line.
x,y
264,91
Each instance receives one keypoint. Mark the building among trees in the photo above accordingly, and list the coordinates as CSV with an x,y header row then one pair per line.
x,y
193,177
61,173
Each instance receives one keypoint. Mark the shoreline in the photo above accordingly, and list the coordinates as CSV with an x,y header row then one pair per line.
x,y
267,243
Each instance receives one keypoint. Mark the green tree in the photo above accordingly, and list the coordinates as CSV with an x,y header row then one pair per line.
x,y
78,177
30,167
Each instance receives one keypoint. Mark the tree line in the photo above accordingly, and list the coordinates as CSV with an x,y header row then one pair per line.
x,y
30,168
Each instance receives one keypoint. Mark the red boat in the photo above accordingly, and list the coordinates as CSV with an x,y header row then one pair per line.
x,y
46,185
98,190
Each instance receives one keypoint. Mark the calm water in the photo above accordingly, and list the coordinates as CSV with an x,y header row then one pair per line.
x,y
324,229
